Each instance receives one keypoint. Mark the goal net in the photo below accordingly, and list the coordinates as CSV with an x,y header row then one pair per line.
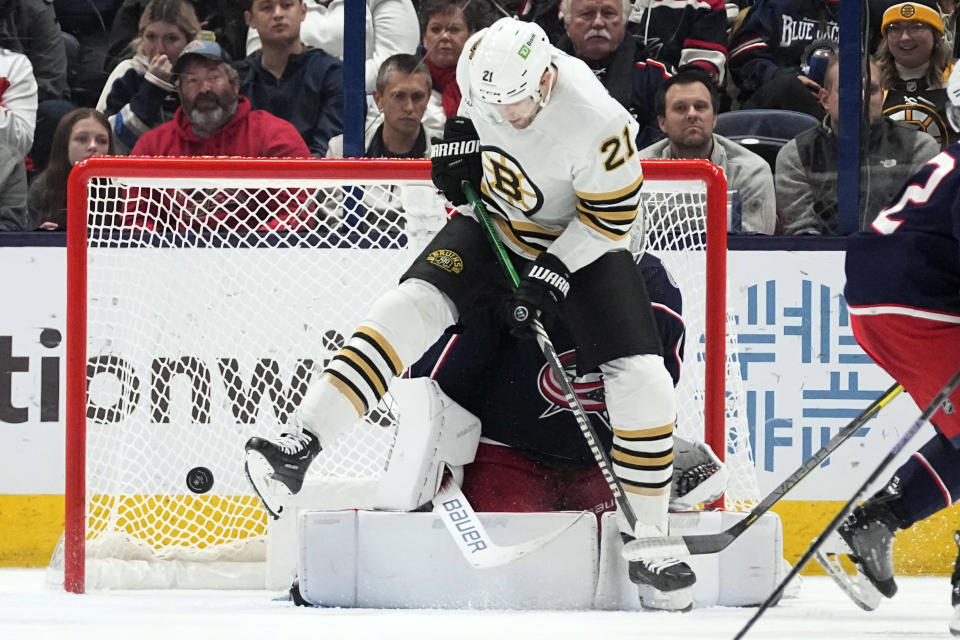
x,y
202,295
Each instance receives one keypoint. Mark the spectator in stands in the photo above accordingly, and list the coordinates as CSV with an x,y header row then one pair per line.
x,y
391,28
948,15
140,93
444,26
18,116
806,172
13,190
18,102
81,134
914,64
767,51
223,18
300,84
596,33
948,12
686,106
214,119
30,27
86,27
679,33
402,93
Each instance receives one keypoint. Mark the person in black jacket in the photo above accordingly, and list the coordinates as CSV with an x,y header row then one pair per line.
x,y
596,33
300,84
224,18
141,92
30,27
772,44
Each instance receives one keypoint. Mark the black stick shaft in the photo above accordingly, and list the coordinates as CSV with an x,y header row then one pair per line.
x,y
931,409
550,353
697,544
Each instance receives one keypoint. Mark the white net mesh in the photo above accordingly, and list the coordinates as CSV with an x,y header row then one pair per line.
x,y
674,230
210,302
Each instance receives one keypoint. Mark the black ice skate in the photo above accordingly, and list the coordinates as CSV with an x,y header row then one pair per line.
x,y
869,532
665,584
276,468
955,591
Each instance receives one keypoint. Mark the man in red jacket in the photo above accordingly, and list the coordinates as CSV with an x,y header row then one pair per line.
x,y
214,119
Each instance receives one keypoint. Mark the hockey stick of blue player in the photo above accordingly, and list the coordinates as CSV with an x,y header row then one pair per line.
x,y
550,353
924,418
696,544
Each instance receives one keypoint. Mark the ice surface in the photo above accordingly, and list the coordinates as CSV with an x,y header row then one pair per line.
x,y
31,610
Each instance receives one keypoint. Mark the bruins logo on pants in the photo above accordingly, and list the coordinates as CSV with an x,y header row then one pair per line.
x,y
447,260
505,179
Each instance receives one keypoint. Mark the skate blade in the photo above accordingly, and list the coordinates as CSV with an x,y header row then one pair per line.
x,y
955,621
273,494
855,585
652,599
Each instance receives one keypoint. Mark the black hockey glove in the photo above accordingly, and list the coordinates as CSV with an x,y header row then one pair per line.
x,y
546,280
456,158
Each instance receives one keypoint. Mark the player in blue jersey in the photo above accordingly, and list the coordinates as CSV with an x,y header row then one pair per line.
x,y
903,292
532,456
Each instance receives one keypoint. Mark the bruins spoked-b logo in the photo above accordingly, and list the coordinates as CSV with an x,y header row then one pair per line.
x,y
447,260
507,181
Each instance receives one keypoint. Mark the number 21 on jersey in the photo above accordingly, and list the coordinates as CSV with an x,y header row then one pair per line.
x,y
611,148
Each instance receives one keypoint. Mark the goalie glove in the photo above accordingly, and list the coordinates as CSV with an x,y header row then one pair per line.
x,y
456,158
546,280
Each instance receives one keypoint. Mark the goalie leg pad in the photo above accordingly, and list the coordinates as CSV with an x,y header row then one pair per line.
x,y
399,328
433,432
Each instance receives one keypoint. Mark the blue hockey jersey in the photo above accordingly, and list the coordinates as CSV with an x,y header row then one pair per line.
x,y
506,382
909,260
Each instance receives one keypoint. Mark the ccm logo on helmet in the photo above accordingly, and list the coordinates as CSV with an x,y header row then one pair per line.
x,y
461,147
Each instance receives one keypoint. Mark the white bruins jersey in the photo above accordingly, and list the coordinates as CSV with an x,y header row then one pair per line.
x,y
571,180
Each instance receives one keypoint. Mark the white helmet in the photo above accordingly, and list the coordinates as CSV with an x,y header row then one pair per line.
x,y
507,62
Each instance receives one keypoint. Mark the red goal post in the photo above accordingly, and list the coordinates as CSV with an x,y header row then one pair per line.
x,y
108,306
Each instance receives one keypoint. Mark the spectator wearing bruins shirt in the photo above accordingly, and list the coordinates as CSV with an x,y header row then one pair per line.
x,y
914,62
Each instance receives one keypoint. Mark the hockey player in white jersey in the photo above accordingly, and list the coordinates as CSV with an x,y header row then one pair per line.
x,y
554,159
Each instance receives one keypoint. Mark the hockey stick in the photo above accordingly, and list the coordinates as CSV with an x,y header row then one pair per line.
x,y
697,544
470,535
550,353
931,409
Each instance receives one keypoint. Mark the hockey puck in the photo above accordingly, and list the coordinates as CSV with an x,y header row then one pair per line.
x,y
199,479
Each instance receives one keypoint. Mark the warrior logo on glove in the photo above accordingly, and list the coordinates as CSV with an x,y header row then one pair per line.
x,y
456,158
546,280
550,278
